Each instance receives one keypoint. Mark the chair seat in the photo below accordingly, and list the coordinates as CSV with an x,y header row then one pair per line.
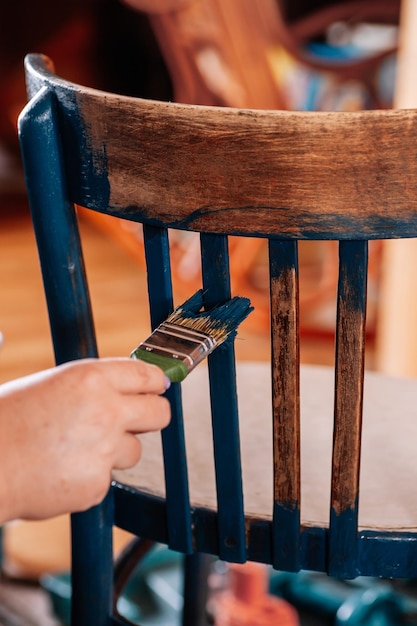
x,y
388,499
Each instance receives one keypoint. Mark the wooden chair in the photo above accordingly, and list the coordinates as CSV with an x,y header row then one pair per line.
x,y
304,484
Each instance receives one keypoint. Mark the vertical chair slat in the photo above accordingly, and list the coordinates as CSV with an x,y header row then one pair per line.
x,y
231,523
173,441
350,363
286,403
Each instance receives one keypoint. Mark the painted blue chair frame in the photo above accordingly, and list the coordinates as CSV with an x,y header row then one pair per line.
x,y
282,176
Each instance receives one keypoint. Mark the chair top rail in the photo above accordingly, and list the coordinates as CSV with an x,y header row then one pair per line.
x,y
265,173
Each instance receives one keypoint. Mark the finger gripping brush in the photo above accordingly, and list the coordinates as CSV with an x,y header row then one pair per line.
x,y
189,334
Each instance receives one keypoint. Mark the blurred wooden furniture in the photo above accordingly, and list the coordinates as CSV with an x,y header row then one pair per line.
x,y
396,349
242,53
323,492
220,53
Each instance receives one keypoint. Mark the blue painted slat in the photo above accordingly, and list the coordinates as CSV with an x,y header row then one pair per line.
x,y
56,231
223,398
314,549
158,267
349,371
283,263
175,464
206,530
259,535
286,532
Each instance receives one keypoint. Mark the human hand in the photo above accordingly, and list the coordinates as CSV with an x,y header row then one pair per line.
x,y
63,430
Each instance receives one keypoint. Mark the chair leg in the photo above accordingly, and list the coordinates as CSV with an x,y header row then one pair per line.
x,y
196,571
92,565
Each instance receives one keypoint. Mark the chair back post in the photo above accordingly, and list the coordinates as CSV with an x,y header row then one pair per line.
x,y
72,328
56,229
92,564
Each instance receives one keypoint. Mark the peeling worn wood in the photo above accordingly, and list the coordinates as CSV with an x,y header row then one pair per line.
x,y
350,357
303,173
286,378
349,379
348,175
285,404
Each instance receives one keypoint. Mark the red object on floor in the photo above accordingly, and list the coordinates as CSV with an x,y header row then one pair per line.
x,y
247,602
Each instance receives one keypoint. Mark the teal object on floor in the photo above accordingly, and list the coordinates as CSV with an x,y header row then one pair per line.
x,y
361,602
152,597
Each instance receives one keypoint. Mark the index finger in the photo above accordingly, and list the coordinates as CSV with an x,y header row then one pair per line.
x,y
133,376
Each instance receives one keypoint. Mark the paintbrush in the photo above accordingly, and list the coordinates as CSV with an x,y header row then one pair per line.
x,y
189,334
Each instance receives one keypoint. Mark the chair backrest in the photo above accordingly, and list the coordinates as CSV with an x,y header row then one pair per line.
x,y
279,175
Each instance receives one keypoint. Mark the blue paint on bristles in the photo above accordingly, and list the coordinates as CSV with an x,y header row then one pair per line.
x,y
221,321
190,334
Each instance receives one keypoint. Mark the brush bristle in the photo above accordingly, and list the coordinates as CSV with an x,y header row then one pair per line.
x,y
220,322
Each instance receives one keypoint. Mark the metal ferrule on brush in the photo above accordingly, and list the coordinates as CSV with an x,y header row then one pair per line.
x,y
178,342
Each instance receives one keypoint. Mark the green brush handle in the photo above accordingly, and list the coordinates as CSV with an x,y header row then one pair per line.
x,y
173,368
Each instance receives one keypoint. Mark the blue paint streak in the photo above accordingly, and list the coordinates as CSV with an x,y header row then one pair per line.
x,y
343,543
304,224
56,230
353,274
286,537
84,161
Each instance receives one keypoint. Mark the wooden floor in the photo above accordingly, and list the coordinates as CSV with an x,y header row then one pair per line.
x,y
118,289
